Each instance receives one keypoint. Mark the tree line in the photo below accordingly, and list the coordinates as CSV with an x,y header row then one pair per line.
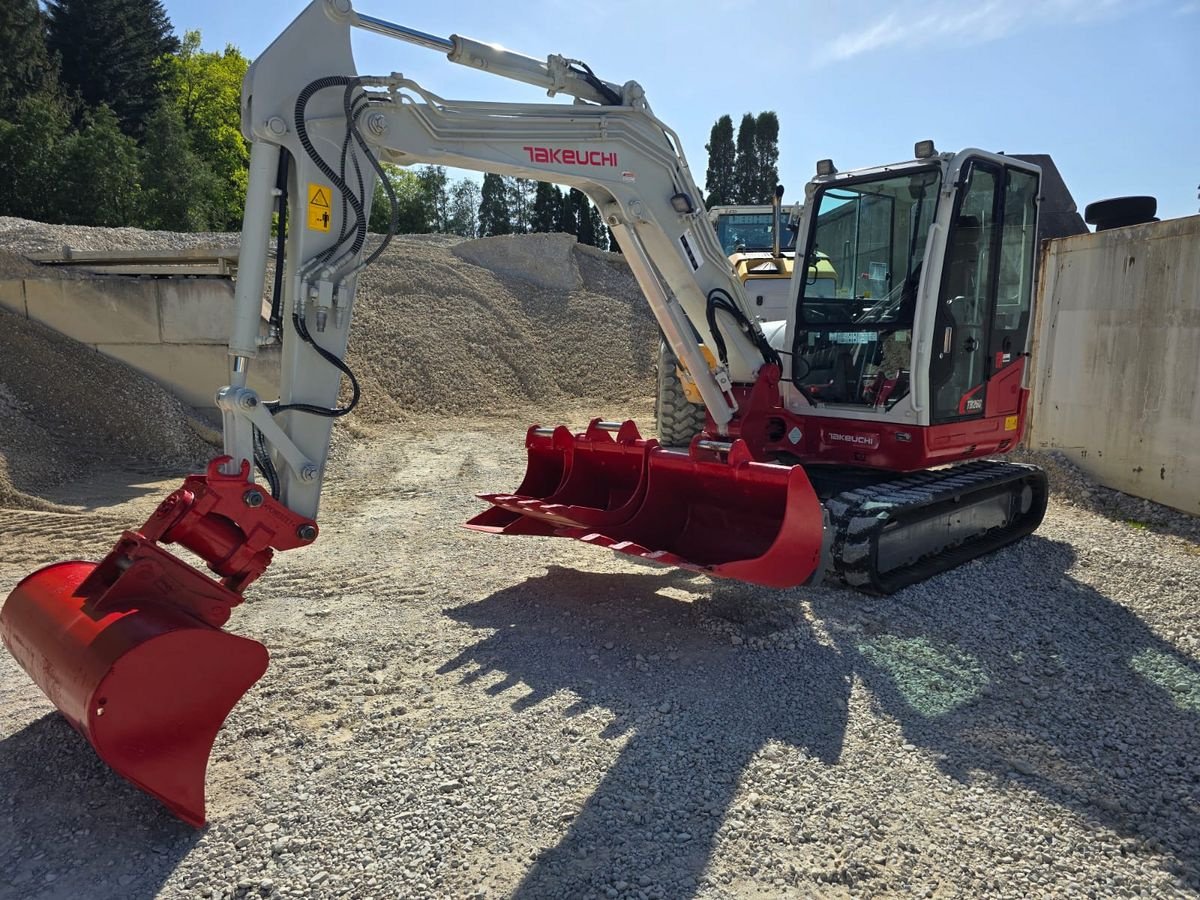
x,y
108,118
745,170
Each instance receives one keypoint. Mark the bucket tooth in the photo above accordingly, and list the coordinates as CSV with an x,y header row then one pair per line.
x,y
603,482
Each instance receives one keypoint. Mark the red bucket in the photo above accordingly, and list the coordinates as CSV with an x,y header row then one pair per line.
x,y
751,521
146,683
603,482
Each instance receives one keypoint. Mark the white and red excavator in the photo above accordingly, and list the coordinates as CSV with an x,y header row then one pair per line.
x,y
845,442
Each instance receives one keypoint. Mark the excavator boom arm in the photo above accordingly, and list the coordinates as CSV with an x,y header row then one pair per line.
x,y
303,96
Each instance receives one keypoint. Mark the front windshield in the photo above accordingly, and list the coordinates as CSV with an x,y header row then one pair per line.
x,y
853,341
752,231
870,238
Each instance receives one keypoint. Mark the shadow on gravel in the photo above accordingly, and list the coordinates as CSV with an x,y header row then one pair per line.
x,y
1059,690
696,723
70,827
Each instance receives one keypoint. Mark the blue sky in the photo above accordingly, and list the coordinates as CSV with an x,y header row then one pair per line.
x,y
1109,88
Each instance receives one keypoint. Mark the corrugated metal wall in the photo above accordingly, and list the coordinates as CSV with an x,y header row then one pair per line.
x,y
1116,378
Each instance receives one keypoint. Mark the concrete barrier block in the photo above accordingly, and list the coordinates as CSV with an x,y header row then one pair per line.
x,y
12,296
100,311
195,372
196,310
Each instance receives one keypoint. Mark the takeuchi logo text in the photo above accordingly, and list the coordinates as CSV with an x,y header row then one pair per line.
x,y
567,156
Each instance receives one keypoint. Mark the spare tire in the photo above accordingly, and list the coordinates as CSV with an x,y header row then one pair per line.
x,y
1120,211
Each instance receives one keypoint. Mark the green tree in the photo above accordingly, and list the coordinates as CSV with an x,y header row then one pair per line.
x,y
111,53
568,215
583,215
99,178
29,181
180,191
719,178
766,149
415,214
520,203
599,229
206,89
494,215
464,208
745,167
26,67
547,207
435,191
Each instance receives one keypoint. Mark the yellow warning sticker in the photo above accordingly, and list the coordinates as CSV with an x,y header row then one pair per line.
x,y
1011,422
320,207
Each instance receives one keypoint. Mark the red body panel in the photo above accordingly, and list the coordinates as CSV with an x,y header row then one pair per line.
x,y
765,426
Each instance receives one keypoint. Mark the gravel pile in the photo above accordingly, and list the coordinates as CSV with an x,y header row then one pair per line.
x,y
67,412
453,328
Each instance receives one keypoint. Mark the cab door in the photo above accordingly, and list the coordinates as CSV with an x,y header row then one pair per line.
x,y
959,366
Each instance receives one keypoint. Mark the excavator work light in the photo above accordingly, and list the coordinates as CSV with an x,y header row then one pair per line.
x,y
683,204
924,150
826,167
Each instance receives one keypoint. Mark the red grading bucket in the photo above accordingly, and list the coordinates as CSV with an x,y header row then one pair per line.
x,y
131,650
739,519
147,684
603,482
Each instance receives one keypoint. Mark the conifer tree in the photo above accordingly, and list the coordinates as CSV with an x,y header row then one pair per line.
x,y
745,168
766,149
547,207
494,216
111,53
719,181
26,66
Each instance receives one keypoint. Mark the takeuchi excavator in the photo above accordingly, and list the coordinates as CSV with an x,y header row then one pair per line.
x,y
846,442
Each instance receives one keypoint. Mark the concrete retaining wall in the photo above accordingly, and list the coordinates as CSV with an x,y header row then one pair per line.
x,y
1116,381
173,330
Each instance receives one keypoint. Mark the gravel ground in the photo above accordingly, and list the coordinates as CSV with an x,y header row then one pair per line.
x,y
450,714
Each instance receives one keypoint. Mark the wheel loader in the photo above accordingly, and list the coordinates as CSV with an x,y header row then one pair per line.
x,y
847,441
760,241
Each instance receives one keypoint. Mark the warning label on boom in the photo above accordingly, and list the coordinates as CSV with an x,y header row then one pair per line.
x,y
320,209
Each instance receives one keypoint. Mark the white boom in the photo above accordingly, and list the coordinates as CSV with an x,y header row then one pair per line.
x,y
304,96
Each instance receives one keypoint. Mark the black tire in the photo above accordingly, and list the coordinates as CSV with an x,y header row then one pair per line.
x,y
1120,211
678,421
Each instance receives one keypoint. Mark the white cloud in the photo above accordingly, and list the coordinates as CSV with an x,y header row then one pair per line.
x,y
917,25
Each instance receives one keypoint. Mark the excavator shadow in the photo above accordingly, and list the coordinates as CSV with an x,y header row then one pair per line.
x,y
1060,691
74,828
695,711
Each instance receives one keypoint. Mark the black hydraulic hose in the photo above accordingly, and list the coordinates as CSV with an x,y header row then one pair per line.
x,y
719,299
262,458
302,330
394,219
599,86
360,229
276,320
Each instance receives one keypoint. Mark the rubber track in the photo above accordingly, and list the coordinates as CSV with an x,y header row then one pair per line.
x,y
678,421
860,515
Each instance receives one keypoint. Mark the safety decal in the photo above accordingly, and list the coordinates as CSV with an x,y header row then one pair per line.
x,y
320,209
695,260
1011,423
